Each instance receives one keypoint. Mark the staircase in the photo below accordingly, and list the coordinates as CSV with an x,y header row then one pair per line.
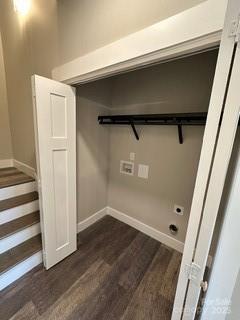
x,y
20,235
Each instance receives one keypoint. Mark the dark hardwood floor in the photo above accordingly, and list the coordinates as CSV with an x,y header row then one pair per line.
x,y
116,273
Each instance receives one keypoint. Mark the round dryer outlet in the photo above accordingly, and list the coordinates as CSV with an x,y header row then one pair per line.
x,y
178,209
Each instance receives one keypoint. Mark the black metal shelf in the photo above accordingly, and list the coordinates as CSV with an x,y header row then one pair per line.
x,y
171,119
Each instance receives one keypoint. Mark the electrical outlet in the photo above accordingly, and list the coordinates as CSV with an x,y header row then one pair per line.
x,y
178,209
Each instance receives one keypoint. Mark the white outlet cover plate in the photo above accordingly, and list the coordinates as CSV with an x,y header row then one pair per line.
x,y
176,207
143,171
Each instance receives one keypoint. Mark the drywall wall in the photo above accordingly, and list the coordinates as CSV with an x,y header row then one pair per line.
x,y
5,134
55,32
87,25
180,86
18,70
29,46
92,148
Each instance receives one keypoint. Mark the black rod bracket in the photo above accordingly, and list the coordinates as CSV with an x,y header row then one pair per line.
x,y
134,130
171,119
180,134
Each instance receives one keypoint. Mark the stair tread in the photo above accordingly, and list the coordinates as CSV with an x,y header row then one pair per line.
x,y
12,257
19,224
8,171
11,176
17,201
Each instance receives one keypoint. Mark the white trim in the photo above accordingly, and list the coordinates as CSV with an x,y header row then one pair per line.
x,y
217,179
5,163
201,188
91,220
25,168
17,212
144,228
17,190
151,232
189,31
19,237
20,269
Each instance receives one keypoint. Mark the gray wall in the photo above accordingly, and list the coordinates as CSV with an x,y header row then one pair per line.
x,y
5,134
55,32
92,148
29,46
58,31
87,25
179,86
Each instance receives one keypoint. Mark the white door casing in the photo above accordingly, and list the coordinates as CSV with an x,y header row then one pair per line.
x,y
55,137
216,184
209,141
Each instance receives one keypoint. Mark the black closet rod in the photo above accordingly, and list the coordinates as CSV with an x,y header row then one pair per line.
x,y
171,119
156,119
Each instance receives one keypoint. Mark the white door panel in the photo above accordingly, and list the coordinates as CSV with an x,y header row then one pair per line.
x,y
217,180
55,133
220,86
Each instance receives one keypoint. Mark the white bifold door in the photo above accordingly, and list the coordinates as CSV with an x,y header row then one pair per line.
x,y
219,135
55,138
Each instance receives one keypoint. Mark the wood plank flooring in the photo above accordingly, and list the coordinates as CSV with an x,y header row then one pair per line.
x,y
12,176
116,273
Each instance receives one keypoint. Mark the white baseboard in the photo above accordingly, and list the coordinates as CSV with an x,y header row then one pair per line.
x,y
5,163
17,190
151,232
20,211
20,269
19,237
91,220
25,168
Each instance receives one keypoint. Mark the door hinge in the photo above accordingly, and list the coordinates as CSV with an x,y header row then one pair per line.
x,y
204,285
192,272
235,29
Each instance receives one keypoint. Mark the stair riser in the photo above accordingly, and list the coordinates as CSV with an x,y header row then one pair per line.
x,y
14,191
20,269
17,212
19,237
